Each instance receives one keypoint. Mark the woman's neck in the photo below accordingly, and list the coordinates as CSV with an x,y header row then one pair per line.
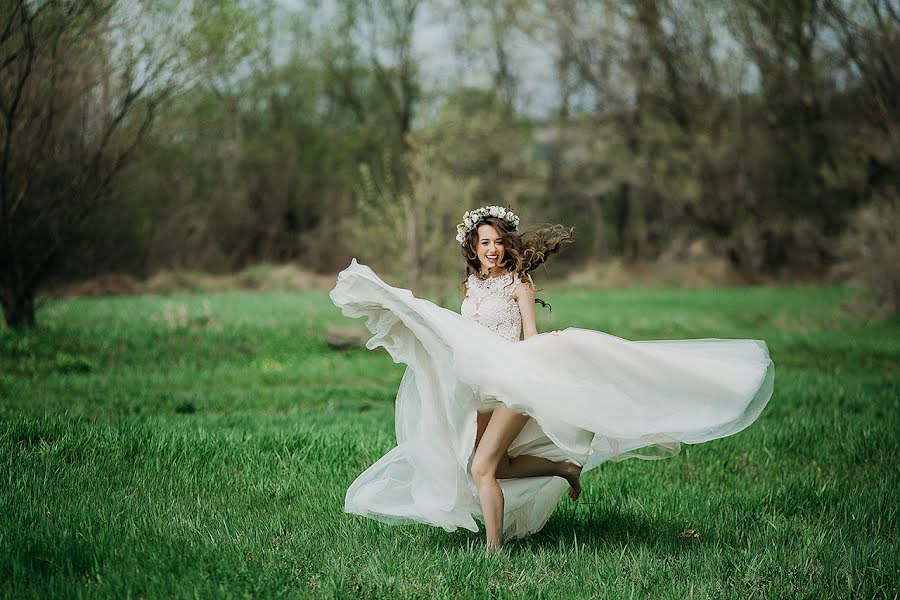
x,y
491,273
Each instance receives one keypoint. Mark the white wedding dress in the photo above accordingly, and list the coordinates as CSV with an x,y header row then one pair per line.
x,y
592,397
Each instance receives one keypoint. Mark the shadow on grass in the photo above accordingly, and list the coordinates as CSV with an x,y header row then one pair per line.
x,y
606,528
595,527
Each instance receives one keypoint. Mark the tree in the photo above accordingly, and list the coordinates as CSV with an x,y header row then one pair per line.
x,y
81,84
412,229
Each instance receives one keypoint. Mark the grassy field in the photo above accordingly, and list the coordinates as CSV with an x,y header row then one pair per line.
x,y
201,446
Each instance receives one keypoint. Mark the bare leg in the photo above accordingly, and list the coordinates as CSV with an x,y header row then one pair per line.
x,y
501,430
533,466
536,466
483,420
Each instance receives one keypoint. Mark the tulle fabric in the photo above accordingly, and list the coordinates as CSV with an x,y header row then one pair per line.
x,y
592,396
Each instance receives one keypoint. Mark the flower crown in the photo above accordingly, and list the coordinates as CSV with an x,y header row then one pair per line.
x,y
472,218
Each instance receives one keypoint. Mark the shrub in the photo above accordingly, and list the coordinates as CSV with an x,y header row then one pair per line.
x,y
870,254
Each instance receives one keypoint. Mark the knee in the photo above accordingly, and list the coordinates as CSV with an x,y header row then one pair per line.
x,y
503,471
483,467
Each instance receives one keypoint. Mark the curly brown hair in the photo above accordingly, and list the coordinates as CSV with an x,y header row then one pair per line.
x,y
522,252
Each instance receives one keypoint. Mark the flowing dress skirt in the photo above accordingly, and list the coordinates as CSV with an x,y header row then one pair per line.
x,y
592,397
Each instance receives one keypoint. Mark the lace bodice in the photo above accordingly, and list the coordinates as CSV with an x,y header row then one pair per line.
x,y
490,303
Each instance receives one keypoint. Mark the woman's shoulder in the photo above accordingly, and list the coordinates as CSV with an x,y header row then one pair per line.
x,y
521,280
522,276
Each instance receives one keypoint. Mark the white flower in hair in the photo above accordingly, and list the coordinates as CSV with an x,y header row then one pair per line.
x,y
471,219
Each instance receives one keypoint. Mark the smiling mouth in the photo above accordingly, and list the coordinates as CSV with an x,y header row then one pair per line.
x,y
492,258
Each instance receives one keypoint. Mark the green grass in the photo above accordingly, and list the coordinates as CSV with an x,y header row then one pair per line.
x,y
201,446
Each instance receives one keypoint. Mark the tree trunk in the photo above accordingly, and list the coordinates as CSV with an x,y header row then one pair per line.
x,y
598,243
18,307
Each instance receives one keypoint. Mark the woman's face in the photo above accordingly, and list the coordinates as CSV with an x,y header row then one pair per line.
x,y
489,247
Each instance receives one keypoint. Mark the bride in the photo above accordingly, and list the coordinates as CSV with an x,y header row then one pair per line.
x,y
496,427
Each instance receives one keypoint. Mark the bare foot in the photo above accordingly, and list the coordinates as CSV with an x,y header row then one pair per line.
x,y
573,476
493,549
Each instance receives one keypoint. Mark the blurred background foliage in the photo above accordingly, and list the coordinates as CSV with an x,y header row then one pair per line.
x,y
764,133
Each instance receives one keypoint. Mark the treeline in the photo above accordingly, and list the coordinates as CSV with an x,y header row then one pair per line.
x,y
768,129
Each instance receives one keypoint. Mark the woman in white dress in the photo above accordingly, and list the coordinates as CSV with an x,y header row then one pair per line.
x,y
495,427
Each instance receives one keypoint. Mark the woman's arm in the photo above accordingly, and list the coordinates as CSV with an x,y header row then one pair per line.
x,y
523,294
